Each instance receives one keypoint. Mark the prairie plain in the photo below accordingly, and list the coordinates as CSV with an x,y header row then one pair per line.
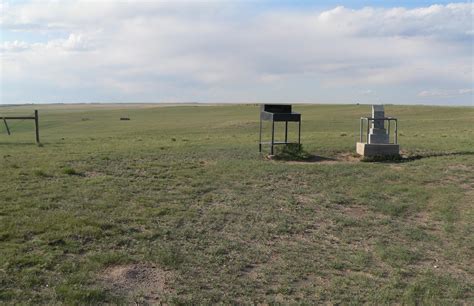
x,y
176,205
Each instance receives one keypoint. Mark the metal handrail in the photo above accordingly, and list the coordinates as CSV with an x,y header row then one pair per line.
x,y
369,119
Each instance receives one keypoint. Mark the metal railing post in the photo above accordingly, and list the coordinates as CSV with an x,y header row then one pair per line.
x,y
388,131
273,135
368,130
396,131
260,137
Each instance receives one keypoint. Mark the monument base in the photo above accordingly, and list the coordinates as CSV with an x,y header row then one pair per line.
x,y
381,149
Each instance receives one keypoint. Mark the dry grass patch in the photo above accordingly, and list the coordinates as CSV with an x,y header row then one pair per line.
x,y
141,282
357,212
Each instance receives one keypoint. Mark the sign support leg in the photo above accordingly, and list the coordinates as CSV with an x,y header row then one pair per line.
x,y
6,125
37,126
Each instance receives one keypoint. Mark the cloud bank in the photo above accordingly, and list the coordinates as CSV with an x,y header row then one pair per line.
x,y
96,51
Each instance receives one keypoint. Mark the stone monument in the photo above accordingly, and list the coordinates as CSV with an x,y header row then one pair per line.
x,y
377,136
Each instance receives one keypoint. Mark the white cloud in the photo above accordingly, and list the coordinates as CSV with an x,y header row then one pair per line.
x,y
14,46
155,50
446,21
368,92
444,93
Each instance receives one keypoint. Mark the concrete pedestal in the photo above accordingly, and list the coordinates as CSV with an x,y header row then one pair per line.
x,y
381,149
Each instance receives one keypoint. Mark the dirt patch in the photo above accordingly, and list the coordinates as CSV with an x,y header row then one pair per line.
x,y
468,187
93,174
435,260
396,167
140,282
257,271
339,158
357,212
348,157
308,199
428,223
205,163
459,167
252,272
312,160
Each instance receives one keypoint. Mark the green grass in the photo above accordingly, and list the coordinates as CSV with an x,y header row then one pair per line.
x,y
185,190
70,171
291,152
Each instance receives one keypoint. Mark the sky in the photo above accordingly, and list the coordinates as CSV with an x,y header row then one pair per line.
x,y
392,52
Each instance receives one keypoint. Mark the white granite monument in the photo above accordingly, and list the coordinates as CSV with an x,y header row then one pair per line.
x,y
378,137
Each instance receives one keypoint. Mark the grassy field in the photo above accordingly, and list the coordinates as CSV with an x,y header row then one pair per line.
x,y
176,205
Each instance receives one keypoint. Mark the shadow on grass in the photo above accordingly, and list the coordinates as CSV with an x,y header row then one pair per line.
x,y
307,159
296,153
403,159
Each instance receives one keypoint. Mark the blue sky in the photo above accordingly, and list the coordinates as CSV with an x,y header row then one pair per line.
x,y
406,52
